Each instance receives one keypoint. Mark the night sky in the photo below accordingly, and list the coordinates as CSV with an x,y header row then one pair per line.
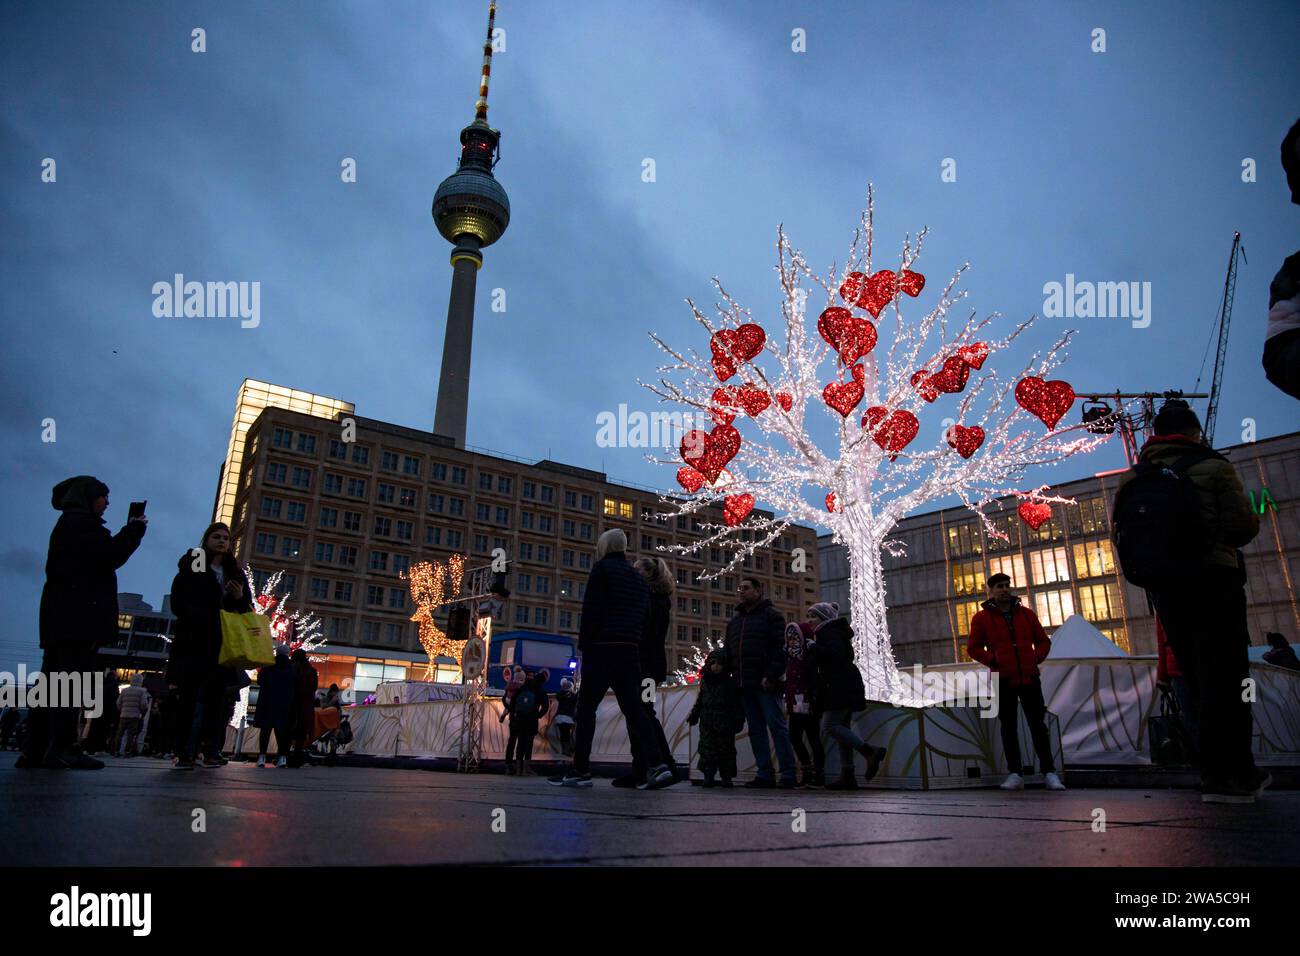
x,y
225,166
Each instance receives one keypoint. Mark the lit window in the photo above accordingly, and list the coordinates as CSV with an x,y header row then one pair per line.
x,y
1053,607
1048,566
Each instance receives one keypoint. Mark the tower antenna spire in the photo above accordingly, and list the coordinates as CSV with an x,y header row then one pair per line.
x,y
481,107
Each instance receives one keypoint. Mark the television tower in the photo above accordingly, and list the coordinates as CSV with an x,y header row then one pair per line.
x,y
471,210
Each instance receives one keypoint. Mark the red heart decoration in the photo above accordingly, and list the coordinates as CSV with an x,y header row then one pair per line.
x,y
741,344
850,336
709,452
1035,513
894,433
690,479
1049,401
723,398
830,502
855,285
952,377
879,290
723,367
736,507
753,399
844,396
875,414
785,400
965,440
912,283
923,385
973,354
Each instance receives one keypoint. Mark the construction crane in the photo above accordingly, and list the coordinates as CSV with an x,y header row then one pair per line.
x,y
1223,320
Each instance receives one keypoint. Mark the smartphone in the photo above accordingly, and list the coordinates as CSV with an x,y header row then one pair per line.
x,y
136,510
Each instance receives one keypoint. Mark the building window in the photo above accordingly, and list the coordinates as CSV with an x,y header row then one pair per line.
x,y
320,589
529,489
456,507
276,472
963,540
481,512
360,455
584,562
503,515
339,628
324,553
542,616
611,508
546,524
457,475
521,614
404,530
378,560
290,547
338,450
527,520
544,553
696,606
543,585
271,507
432,535
967,577
397,599
1048,565
333,484
437,503
385,494
585,532
374,595
566,558
588,502
383,527
505,485
566,620
480,544
454,539
524,582
297,511
438,471
329,517
548,495
347,556
965,611
715,608
343,591
356,487
1093,559
525,551
1012,565
393,633
1053,607
570,499
388,461
401,564
1052,531
282,438
410,465
307,444
406,497
265,543
485,481
1100,602
569,528
302,477
1117,635
370,632
1089,517
352,521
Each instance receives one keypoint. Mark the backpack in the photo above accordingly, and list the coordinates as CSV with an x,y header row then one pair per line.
x,y
1159,526
525,703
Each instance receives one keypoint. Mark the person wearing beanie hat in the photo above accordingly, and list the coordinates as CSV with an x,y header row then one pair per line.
x,y
1201,600
824,611
614,613
566,705
78,611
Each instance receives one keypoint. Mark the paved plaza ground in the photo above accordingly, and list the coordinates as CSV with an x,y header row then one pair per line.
x,y
138,812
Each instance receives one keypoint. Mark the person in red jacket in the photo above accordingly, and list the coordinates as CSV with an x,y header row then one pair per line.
x,y
1007,638
1170,678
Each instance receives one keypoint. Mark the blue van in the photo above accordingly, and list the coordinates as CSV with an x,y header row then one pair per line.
x,y
531,650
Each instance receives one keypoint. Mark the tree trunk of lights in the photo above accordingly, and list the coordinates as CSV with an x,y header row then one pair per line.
x,y
872,650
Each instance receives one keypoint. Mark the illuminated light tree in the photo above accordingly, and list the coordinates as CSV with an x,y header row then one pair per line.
x,y
884,466
433,584
297,630
693,663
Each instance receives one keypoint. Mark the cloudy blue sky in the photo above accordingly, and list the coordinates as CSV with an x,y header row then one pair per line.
x,y
1122,165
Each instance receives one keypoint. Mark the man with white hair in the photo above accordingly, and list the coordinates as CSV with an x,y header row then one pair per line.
x,y
132,706
614,614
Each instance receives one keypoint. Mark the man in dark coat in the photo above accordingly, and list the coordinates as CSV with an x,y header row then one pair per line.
x,y
78,610
755,645
614,615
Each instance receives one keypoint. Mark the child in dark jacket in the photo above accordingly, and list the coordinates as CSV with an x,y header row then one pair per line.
x,y
719,713
527,706
566,706
801,703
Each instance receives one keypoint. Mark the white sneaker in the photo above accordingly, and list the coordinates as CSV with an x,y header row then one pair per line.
x,y
1013,782
261,761
1053,782
282,762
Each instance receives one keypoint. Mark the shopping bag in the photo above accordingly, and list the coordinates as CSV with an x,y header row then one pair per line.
x,y
245,641
1171,744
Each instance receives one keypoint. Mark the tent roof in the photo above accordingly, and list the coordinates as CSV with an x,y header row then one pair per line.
x,y
1077,638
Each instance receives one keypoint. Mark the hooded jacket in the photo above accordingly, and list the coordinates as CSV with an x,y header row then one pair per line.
x,y
800,669
79,601
755,644
1015,653
197,601
1228,517
839,682
654,659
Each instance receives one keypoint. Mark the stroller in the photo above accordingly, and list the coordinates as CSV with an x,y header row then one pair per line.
x,y
332,738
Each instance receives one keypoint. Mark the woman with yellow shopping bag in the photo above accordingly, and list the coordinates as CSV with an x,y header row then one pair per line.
x,y
209,582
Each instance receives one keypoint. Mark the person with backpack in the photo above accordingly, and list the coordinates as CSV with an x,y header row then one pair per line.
x,y
527,707
1180,516
1006,637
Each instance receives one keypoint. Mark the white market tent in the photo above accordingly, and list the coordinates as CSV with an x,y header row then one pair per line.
x,y
1077,638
